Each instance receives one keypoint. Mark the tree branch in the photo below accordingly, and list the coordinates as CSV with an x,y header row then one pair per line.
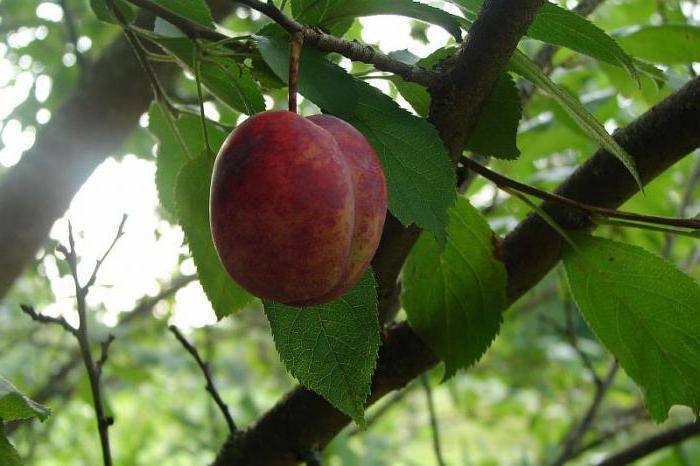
x,y
53,386
652,444
657,139
573,438
319,40
210,387
434,425
503,181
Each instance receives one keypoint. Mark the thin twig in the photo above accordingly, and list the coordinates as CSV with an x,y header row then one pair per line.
x,y
434,425
104,353
207,375
651,444
324,42
93,368
573,438
503,181
44,319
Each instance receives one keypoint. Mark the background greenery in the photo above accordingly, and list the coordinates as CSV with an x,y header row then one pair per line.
x,y
514,407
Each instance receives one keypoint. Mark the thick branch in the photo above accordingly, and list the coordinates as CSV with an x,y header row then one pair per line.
x,y
473,72
656,140
652,444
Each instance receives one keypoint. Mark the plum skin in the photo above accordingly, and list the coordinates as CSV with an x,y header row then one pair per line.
x,y
297,206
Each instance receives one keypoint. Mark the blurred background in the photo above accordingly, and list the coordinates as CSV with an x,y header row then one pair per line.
x,y
514,408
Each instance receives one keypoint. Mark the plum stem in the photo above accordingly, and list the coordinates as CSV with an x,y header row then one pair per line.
x,y
295,47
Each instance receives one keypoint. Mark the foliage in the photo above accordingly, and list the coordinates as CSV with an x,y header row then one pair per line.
x,y
517,404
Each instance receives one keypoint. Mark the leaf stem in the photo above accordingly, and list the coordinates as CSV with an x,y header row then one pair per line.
x,y
295,47
200,98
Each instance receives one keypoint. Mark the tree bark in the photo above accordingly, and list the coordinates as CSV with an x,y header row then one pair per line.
x,y
87,128
303,420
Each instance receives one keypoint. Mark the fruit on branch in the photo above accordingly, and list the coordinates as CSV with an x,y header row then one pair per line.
x,y
297,206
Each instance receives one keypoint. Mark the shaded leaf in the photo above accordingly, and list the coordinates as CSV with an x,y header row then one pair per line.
x,y
331,348
230,82
322,82
171,156
8,454
454,296
14,405
103,13
328,12
192,197
420,177
645,311
194,10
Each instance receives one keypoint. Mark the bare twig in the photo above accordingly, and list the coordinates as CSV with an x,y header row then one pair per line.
x,y
94,369
104,346
503,181
434,425
651,444
578,430
44,319
207,375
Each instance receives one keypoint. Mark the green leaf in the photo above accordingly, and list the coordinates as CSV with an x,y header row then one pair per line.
x,y
331,348
170,156
192,197
454,295
322,82
194,10
14,405
645,311
420,177
668,44
103,13
329,12
521,64
8,454
559,26
496,131
230,82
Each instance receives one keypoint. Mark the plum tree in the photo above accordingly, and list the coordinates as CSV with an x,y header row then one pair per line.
x,y
297,206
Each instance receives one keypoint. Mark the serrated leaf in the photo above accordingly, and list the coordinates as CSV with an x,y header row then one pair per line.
x,y
170,156
420,177
8,454
328,12
194,10
525,67
331,348
14,405
230,82
668,44
645,311
192,199
454,296
322,82
559,26
103,13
